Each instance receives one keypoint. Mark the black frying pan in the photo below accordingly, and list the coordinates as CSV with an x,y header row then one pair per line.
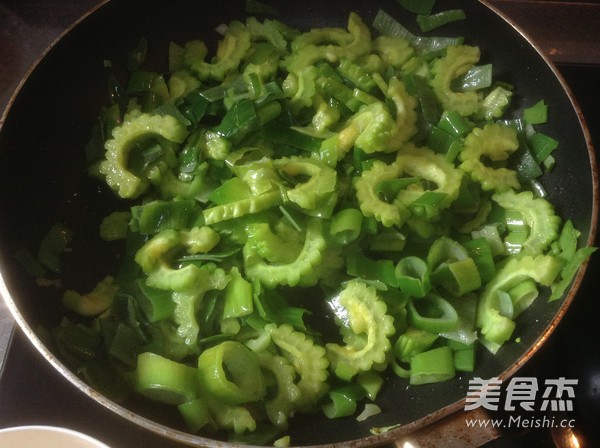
x,y
43,180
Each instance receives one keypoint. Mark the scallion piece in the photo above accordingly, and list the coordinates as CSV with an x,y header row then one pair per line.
x,y
542,146
164,380
196,414
53,245
428,22
155,303
478,77
464,356
343,401
371,382
417,6
238,296
387,25
346,225
523,295
413,341
230,372
454,124
432,366
536,114
481,252
412,274
433,314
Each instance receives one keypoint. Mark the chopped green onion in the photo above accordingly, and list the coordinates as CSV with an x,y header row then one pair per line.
x,y
164,380
481,252
387,25
428,22
346,225
238,296
454,124
536,114
230,372
541,146
343,401
433,314
196,414
417,6
53,245
478,77
371,382
569,271
413,341
464,356
412,274
388,242
432,366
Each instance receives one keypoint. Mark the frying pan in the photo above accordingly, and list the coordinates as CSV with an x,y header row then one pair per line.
x,y
43,181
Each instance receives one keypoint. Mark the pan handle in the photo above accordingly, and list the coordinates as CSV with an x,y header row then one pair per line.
x,y
452,431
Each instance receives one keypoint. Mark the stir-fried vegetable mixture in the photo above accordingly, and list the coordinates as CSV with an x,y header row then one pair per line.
x,y
311,209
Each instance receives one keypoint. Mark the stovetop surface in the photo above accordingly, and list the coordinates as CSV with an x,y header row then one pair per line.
x,y
33,392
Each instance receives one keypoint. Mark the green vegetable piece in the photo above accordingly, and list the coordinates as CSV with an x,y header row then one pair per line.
x,y
316,44
164,380
464,358
418,6
231,372
495,103
371,204
371,382
432,366
155,216
413,276
230,52
115,226
457,61
495,328
188,301
569,271
433,314
536,114
425,164
53,244
413,341
242,207
393,50
238,296
539,216
343,401
93,303
452,268
236,418
542,146
346,225
321,183
372,125
309,361
406,115
157,255
196,414
137,128
282,405
302,271
495,142
428,22
366,329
